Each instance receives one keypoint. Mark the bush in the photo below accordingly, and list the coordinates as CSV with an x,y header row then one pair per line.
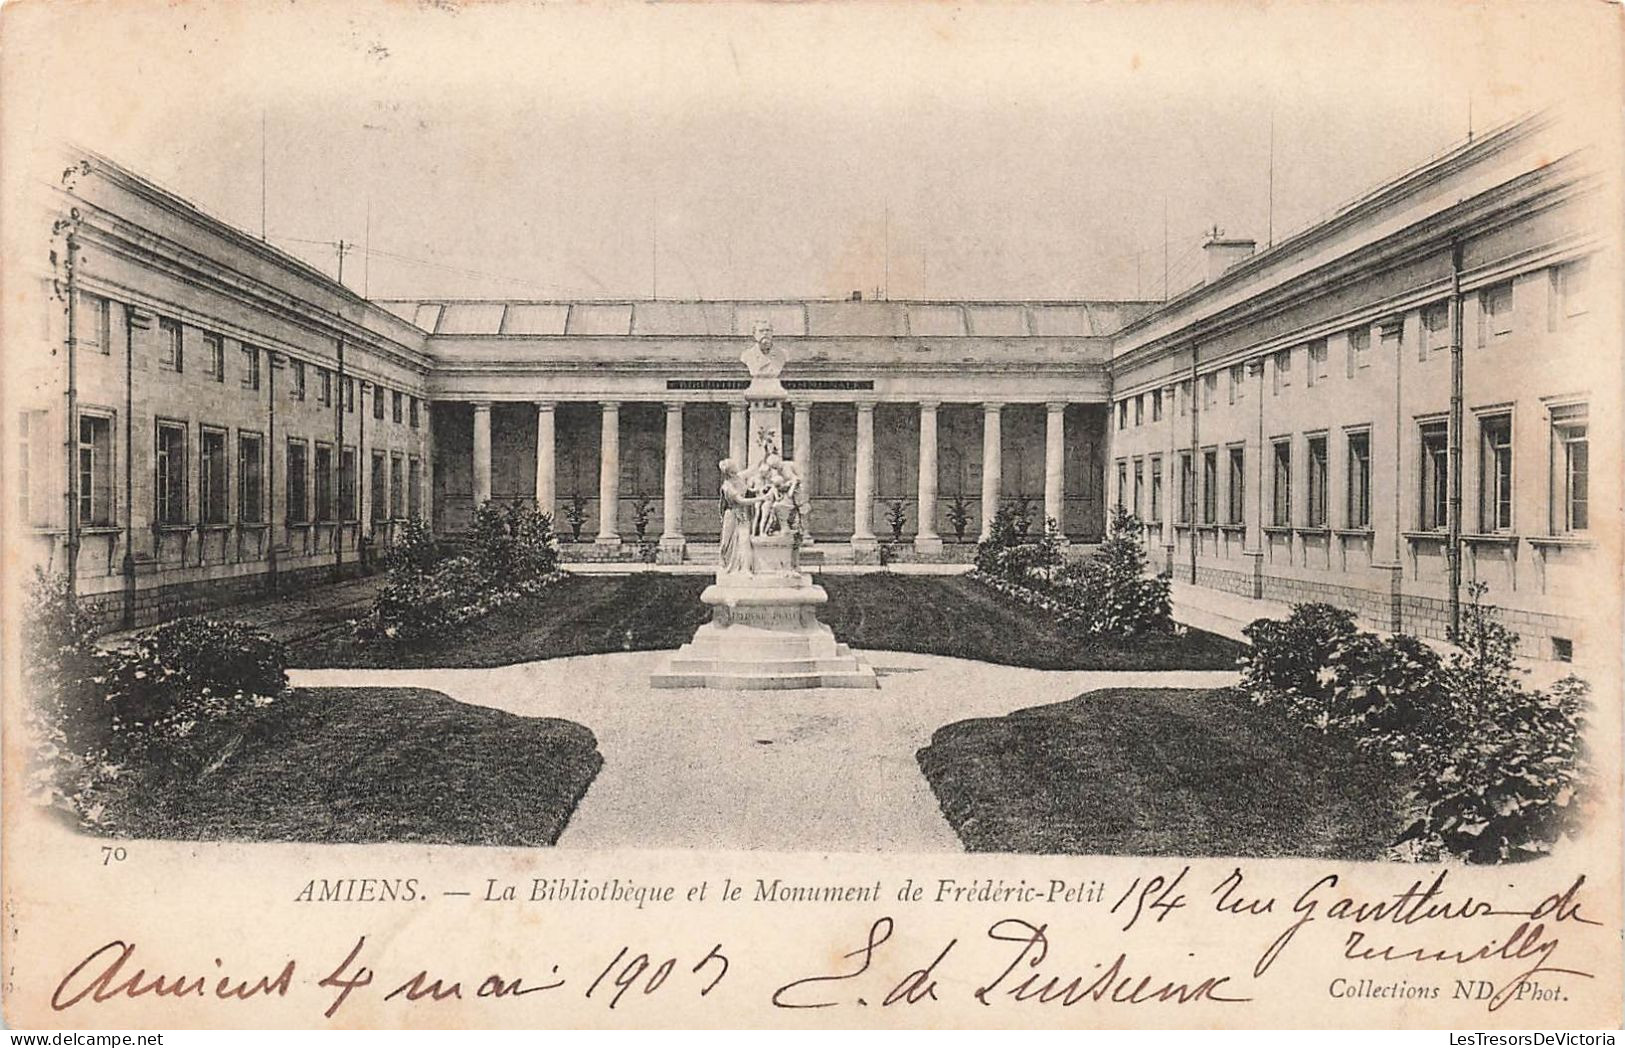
x,y
415,549
1512,777
1287,656
514,543
1499,773
1008,554
93,712
1121,599
513,554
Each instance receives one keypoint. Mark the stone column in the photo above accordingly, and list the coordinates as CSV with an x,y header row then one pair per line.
x,y
482,453
926,539
803,456
992,466
609,474
426,474
738,438
546,490
671,510
1055,465
863,479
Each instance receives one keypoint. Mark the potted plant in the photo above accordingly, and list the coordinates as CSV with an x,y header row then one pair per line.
x,y
1022,515
896,518
642,510
959,515
576,514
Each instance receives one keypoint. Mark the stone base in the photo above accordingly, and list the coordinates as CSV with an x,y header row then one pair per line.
x,y
764,634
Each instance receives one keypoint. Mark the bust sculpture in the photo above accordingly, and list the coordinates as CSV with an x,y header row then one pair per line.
x,y
762,358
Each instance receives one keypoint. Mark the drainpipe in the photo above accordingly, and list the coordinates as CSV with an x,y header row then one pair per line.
x,y
1453,551
338,465
1198,496
272,362
127,617
71,444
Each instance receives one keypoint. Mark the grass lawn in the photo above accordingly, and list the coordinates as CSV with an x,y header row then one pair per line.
x,y
1129,771
935,615
363,765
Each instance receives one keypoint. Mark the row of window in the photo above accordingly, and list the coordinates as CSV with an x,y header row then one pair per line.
x,y
1569,512
95,334
1569,298
222,475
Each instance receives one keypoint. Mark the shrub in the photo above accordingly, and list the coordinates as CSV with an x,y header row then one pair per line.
x,y
1007,554
92,712
415,549
1513,777
1391,693
1287,656
1128,601
514,543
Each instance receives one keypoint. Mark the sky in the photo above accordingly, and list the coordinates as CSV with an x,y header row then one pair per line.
x,y
1029,151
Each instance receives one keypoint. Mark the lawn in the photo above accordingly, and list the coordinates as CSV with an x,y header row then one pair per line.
x,y
935,615
1128,771
363,765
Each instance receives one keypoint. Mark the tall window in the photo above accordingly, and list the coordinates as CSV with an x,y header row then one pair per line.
x,y
1281,454
94,327
1139,488
1283,369
1571,455
1156,405
1435,328
1122,483
251,368
1156,489
412,414
1122,414
296,386
397,487
1210,389
1571,297
414,488
250,478
1234,511
170,469
1359,349
1495,473
1495,312
324,481
378,403
349,394
214,357
1317,482
376,486
297,481
1238,383
170,351
1185,398
1359,489
1210,486
324,386
1435,511
95,471
349,504
1318,355
1187,488
1139,410
212,476
395,406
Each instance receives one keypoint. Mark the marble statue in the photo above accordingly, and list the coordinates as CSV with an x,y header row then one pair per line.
x,y
762,358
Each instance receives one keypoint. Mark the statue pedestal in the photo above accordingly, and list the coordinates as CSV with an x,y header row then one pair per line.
x,y
764,633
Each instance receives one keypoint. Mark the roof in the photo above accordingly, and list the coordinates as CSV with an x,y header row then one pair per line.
x,y
814,318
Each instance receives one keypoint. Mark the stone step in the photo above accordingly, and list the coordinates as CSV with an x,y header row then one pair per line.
x,y
682,664
860,677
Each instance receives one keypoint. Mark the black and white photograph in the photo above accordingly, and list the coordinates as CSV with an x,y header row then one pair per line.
x,y
1101,494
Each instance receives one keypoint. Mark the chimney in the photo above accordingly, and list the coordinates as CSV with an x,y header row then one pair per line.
x,y
857,296
1223,253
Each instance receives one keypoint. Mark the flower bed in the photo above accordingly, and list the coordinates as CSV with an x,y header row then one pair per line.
x,y
513,556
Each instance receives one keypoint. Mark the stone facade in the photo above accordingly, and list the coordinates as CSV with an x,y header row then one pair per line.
x,y
1285,428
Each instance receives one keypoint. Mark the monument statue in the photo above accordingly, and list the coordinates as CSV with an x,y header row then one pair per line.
x,y
764,630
